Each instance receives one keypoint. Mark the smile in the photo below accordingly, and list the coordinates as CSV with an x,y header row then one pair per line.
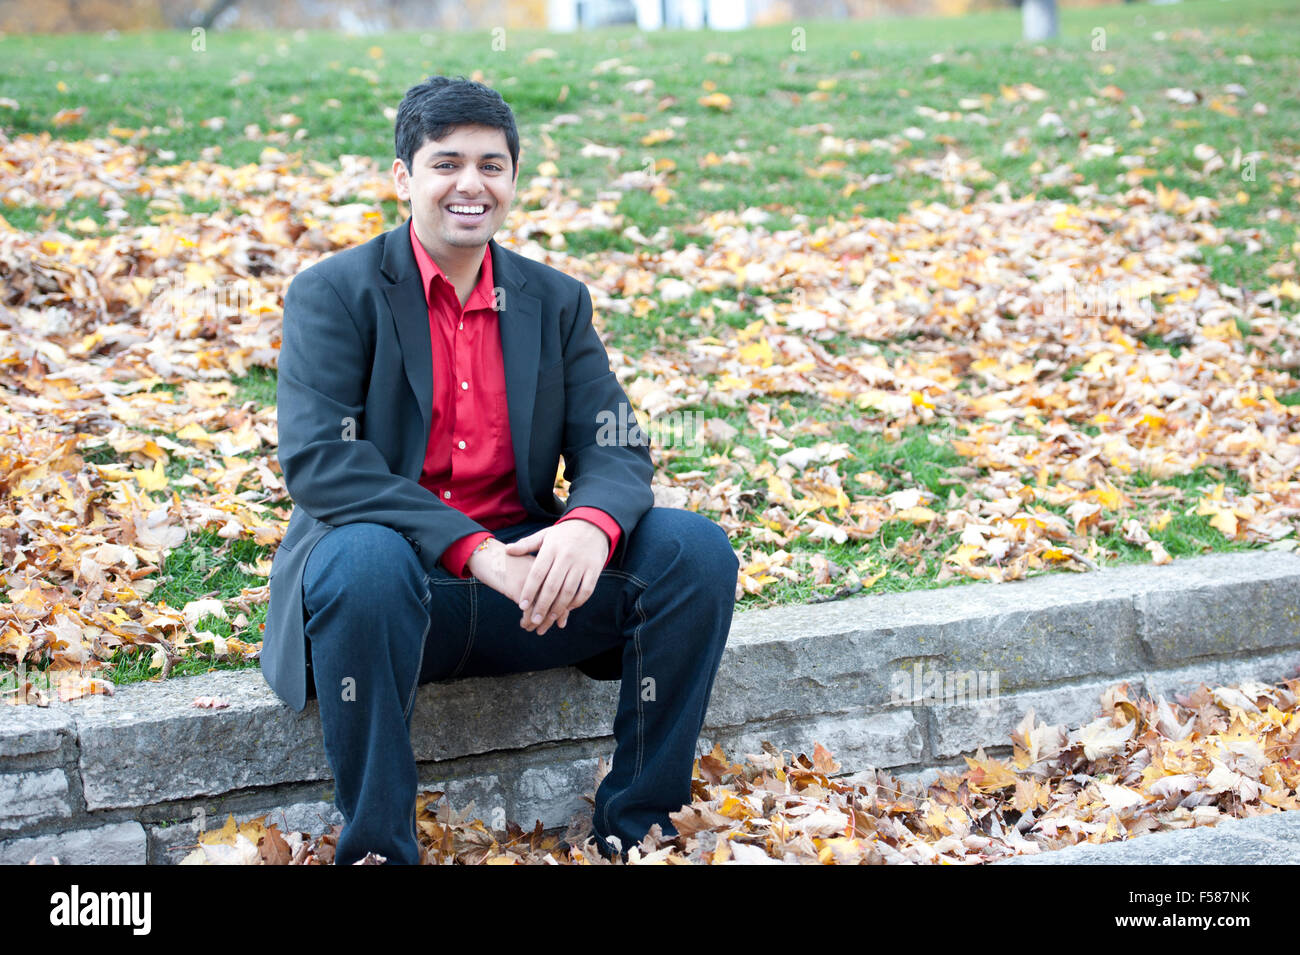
x,y
468,213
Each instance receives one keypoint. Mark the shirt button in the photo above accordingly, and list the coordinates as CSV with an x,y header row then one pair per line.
x,y
462,444
446,493
464,384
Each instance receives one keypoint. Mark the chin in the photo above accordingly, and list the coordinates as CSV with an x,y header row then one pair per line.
x,y
468,240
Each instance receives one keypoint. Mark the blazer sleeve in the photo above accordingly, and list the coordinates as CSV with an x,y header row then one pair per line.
x,y
331,472
611,475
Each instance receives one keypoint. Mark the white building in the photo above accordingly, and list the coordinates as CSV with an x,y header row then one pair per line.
x,y
569,15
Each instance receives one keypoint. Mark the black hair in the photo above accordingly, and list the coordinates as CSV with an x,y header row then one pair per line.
x,y
433,109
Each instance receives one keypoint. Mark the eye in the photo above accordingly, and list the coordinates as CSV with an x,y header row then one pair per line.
x,y
490,165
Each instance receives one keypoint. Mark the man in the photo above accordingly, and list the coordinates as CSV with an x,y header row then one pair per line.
x,y
429,383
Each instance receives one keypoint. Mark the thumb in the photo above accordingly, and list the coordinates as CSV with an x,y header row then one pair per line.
x,y
525,544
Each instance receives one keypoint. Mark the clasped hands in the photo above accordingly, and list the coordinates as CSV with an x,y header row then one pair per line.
x,y
569,558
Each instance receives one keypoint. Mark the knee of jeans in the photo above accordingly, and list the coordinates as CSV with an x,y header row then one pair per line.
x,y
709,549
374,563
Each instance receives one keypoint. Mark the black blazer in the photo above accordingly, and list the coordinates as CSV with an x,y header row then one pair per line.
x,y
355,397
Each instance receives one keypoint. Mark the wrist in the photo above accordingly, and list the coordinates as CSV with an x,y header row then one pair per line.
x,y
481,558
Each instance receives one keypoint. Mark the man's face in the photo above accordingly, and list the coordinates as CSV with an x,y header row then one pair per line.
x,y
470,167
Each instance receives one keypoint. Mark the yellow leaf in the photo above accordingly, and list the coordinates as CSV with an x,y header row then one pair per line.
x,y
1165,198
1019,374
734,808
1158,553
200,274
779,491
66,117
656,136
1062,223
947,277
989,775
1108,496
1226,522
253,830
151,479
194,432
759,353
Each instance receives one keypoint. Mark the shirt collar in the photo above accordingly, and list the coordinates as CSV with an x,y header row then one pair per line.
x,y
481,297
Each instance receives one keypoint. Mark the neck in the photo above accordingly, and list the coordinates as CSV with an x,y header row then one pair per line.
x,y
461,265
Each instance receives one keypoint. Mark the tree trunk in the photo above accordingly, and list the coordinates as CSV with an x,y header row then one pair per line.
x,y
213,11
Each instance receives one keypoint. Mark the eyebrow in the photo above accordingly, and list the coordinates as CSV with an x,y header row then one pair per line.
x,y
458,155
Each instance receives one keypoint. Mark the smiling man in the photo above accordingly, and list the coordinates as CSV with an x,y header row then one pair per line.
x,y
430,381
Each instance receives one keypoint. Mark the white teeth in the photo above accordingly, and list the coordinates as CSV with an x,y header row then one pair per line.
x,y
472,210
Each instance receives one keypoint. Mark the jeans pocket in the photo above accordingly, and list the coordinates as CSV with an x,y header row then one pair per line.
x,y
453,612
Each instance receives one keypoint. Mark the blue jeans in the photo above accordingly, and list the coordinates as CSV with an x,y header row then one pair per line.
x,y
378,626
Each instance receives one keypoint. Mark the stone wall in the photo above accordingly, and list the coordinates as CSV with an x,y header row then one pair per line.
x,y
135,777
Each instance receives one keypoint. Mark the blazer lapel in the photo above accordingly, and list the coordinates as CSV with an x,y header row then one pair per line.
x,y
410,312
519,318
519,321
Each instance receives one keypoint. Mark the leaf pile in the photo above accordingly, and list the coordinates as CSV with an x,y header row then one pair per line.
x,y
1142,766
1013,351
958,319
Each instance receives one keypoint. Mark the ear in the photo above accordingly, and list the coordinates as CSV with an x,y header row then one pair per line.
x,y
401,184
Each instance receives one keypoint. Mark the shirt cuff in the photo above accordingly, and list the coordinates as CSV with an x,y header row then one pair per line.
x,y
595,515
456,557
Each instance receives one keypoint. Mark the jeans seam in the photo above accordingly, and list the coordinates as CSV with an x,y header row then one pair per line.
x,y
406,714
473,629
428,621
623,573
640,711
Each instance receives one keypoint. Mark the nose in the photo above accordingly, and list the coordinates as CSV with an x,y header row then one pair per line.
x,y
469,182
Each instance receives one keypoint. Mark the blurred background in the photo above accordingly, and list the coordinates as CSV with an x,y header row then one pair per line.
x,y
367,16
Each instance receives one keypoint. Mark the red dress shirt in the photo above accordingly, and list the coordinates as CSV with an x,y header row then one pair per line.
x,y
469,461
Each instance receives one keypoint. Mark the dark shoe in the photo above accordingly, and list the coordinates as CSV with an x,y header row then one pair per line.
x,y
606,850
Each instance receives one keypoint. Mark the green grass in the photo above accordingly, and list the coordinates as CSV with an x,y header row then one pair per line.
x,y
155,83
205,565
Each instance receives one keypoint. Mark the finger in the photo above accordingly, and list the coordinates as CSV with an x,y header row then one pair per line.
x,y
580,597
536,574
536,605
548,604
532,583
525,545
564,598
589,581
541,608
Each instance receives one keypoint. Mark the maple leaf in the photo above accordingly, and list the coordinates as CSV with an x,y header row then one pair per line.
x,y
988,775
1101,738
